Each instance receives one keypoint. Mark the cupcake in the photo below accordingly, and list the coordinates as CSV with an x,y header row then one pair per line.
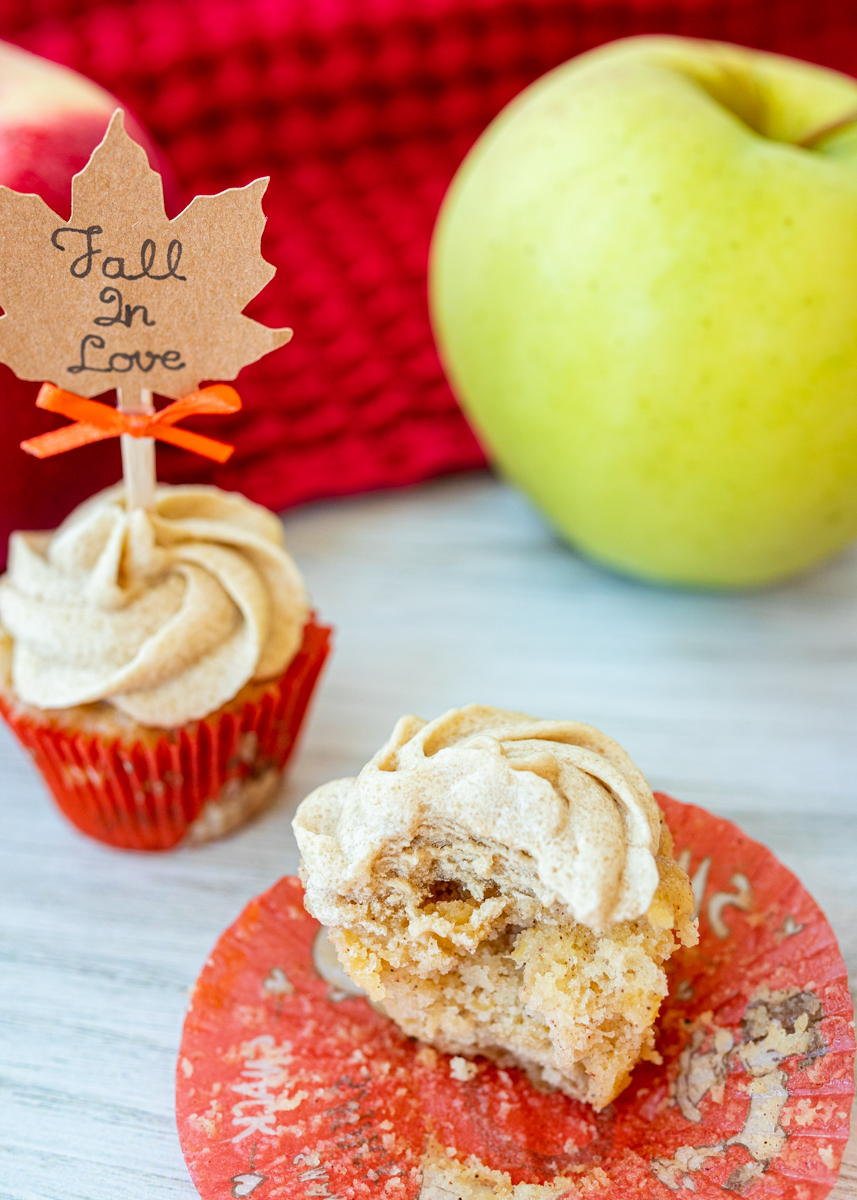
x,y
289,1082
506,887
157,664
158,653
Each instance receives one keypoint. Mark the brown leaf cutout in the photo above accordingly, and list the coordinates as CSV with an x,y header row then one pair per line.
x,y
120,296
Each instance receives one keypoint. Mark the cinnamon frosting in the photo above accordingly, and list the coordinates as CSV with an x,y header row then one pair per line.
x,y
555,809
164,614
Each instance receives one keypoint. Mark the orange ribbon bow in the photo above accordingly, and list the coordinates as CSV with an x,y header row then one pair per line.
x,y
95,421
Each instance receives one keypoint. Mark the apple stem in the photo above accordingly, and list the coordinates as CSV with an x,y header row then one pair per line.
x,y
825,131
138,455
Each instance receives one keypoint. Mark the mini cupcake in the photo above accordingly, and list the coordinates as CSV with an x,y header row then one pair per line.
x,y
158,653
157,664
289,1084
505,887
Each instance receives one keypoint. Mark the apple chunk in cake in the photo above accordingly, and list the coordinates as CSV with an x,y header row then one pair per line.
x,y
503,886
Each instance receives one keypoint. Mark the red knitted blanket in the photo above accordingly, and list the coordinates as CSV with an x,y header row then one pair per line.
x,y
360,110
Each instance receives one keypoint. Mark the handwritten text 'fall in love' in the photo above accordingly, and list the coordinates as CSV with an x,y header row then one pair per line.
x,y
90,257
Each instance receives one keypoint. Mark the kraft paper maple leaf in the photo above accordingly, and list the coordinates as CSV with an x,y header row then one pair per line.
x,y
121,296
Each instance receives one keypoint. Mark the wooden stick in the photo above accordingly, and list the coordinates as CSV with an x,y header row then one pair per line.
x,y
138,455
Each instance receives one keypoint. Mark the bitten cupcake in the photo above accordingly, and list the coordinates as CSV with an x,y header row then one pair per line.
x,y
504,886
157,664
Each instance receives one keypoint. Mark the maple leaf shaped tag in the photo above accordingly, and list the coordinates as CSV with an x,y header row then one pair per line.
x,y
119,296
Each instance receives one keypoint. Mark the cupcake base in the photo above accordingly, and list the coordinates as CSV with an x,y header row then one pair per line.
x,y
240,800
149,789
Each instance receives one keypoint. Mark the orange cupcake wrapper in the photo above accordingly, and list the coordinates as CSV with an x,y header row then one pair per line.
x,y
287,1087
141,797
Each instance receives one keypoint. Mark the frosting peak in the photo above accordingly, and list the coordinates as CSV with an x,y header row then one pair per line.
x,y
165,614
561,811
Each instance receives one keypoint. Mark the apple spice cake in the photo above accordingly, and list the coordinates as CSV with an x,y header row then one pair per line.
x,y
503,886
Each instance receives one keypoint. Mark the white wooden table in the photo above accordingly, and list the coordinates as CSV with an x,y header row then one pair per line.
x,y
441,595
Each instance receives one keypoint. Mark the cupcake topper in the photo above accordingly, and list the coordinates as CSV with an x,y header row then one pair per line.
x,y
119,296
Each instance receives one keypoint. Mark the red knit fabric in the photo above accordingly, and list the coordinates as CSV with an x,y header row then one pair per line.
x,y
360,110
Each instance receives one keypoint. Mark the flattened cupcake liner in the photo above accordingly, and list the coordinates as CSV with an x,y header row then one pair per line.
x,y
213,772
290,1086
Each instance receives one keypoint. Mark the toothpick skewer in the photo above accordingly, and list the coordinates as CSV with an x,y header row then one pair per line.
x,y
138,454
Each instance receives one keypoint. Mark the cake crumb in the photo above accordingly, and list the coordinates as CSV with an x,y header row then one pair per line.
x,y
427,1057
462,1070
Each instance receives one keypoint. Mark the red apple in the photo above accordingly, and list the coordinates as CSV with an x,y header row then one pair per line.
x,y
51,119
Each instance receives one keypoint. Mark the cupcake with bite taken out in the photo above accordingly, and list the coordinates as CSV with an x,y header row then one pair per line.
x,y
504,886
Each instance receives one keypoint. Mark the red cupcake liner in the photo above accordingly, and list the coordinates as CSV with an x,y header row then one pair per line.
x,y
288,1088
144,797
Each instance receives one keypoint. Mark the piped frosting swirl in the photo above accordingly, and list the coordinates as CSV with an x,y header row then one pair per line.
x,y
555,806
164,614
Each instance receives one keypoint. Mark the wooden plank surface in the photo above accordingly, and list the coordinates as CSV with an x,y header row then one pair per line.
x,y
441,595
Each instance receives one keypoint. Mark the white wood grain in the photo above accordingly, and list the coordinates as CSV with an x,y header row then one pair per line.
x,y
444,594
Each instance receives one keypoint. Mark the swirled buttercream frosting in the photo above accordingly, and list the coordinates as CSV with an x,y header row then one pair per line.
x,y
559,808
503,886
165,614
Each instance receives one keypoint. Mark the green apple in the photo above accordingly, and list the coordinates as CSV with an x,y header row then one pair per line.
x,y
644,290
